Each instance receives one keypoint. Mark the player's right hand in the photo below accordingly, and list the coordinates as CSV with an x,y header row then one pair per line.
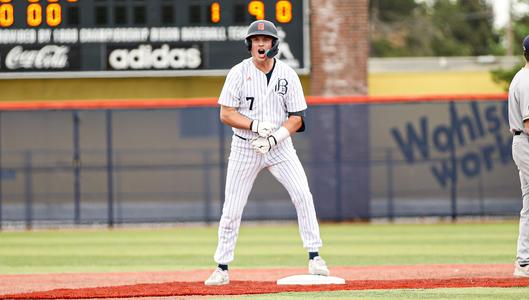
x,y
263,128
262,145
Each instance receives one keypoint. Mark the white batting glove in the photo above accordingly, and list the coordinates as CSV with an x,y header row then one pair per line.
x,y
262,145
263,128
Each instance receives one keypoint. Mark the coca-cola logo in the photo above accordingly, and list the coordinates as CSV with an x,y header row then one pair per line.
x,y
48,57
145,57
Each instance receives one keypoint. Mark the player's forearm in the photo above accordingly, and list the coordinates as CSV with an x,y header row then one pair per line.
x,y
234,119
293,123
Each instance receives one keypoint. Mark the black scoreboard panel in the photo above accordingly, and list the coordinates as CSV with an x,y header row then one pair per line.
x,y
70,38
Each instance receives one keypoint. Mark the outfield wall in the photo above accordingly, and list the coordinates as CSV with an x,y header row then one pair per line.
x,y
164,161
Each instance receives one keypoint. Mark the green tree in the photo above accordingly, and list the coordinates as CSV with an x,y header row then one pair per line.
x,y
504,76
466,27
520,29
391,22
440,28
391,11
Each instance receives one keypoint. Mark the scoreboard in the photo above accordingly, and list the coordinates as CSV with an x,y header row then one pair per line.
x,y
122,38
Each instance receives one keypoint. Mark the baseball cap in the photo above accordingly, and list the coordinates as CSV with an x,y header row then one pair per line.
x,y
526,43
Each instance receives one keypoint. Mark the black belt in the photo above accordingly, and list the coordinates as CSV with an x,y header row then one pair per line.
x,y
518,132
242,138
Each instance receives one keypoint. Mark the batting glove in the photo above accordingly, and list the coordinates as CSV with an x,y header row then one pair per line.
x,y
262,145
262,128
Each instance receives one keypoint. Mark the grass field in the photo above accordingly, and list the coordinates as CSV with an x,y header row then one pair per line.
x,y
437,294
258,246
190,247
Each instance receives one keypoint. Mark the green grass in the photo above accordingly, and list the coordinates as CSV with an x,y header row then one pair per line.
x,y
433,294
258,246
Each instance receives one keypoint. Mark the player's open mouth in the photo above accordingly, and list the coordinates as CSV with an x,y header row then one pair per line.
x,y
261,51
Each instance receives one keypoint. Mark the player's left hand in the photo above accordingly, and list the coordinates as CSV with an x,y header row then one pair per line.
x,y
262,145
263,128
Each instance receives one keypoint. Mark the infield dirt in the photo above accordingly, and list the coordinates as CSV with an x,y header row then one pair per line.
x,y
244,281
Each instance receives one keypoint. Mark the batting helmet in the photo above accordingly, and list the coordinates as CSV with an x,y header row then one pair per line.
x,y
263,27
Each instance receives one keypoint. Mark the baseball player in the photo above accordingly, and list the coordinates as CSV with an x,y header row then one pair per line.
x,y
262,100
519,126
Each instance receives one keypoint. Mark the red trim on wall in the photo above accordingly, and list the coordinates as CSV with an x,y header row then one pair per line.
x,y
319,100
211,102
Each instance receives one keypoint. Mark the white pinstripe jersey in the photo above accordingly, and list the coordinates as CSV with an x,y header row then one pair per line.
x,y
246,89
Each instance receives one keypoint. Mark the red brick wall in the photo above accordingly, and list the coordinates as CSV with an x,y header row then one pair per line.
x,y
339,47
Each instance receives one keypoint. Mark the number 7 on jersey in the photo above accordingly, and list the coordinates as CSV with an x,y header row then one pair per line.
x,y
251,101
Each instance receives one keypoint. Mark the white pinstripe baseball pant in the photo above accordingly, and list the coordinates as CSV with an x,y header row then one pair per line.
x,y
520,153
243,167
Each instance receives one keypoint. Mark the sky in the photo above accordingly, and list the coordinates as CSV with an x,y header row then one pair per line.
x,y
501,11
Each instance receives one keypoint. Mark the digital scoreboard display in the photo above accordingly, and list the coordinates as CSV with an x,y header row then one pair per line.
x,y
103,38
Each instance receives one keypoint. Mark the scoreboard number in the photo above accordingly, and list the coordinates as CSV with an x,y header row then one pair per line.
x,y
53,15
7,17
34,13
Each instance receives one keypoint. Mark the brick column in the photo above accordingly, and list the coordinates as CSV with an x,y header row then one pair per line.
x,y
339,50
339,47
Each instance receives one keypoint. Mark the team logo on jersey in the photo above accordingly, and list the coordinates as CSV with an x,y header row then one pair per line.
x,y
281,86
